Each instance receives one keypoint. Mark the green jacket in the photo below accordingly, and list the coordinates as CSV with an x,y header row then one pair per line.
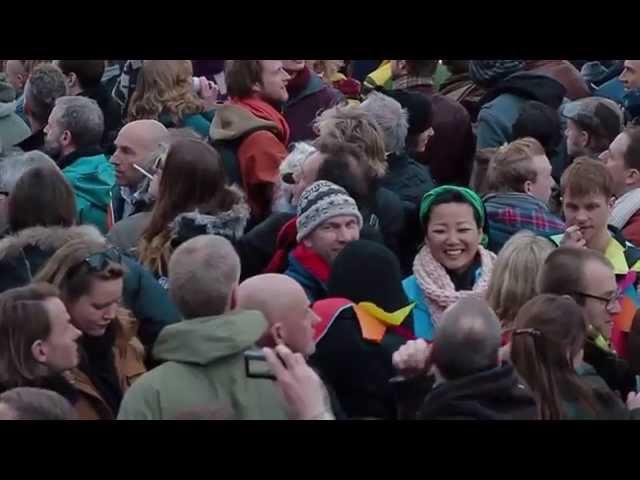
x,y
92,179
204,367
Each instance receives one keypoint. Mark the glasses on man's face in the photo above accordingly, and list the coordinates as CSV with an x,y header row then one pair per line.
x,y
99,261
611,303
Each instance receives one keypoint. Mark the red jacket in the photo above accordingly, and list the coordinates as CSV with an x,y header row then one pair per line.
x,y
631,230
265,135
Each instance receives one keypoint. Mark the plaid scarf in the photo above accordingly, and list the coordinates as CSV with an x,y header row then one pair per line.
x,y
409,81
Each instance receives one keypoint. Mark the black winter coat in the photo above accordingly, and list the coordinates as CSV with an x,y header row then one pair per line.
x,y
496,394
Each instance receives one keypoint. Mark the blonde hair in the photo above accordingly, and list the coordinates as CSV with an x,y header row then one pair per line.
x,y
352,124
511,166
326,69
165,86
515,272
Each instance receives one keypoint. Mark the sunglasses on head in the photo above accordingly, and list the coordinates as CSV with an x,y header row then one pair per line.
x,y
99,261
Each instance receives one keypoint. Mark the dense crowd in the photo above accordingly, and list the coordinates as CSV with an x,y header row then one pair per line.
x,y
319,239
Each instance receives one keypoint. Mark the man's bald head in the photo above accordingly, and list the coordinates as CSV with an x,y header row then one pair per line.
x,y
285,305
203,276
138,142
467,340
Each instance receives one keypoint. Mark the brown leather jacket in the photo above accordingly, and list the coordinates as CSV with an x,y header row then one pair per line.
x,y
129,360
563,72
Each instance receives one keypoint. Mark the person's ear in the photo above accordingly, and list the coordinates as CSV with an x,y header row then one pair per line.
x,y
402,66
527,186
256,88
631,176
66,138
233,298
39,351
72,80
22,78
583,138
277,333
307,243
611,203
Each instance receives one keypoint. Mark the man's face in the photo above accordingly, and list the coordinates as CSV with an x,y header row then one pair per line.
x,y
630,76
590,213
328,239
273,88
577,139
600,281
398,69
423,139
541,188
613,158
131,149
55,135
16,74
92,313
307,176
298,323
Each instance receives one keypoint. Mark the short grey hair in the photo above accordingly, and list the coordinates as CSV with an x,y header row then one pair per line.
x,y
392,119
202,274
14,166
83,118
45,85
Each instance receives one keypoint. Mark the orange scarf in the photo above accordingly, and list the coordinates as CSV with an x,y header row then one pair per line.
x,y
265,111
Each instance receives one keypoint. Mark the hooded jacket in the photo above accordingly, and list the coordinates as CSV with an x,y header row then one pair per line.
x,y
563,72
501,105
258,136
92,178
23,254
510,212
13,130
204,366
496,394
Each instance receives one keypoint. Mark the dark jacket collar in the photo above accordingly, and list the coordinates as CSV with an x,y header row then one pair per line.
x,y
35,141
64,162
530,86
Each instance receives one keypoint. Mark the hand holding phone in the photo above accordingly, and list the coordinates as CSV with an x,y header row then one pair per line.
x,y
301,386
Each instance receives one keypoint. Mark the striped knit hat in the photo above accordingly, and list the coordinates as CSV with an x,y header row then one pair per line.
x,y
321,201
487,72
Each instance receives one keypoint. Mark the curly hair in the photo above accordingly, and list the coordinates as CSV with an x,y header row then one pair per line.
x,y
352,124
165,86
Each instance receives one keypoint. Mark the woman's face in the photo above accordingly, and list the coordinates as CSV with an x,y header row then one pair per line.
x,y
60,350
453,236
92,313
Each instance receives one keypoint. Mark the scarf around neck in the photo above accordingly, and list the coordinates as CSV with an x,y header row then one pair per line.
x,y
437,287
312,262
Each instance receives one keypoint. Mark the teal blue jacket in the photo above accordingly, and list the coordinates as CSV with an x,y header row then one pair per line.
x,y
92,179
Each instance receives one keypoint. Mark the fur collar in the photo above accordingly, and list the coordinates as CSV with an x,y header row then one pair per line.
x,y
45,238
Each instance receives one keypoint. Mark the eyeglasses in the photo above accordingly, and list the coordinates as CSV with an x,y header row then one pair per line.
x,y
610,302
99,261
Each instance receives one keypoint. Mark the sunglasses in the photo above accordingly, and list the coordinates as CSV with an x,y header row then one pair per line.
x,y
100,261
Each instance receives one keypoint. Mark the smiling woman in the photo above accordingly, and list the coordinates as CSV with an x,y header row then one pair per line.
x,y
90,278
452,263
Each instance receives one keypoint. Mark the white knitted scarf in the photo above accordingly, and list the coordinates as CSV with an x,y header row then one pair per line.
x,y
438,289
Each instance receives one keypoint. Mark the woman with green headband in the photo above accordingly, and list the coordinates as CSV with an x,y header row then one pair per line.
x,y
452,263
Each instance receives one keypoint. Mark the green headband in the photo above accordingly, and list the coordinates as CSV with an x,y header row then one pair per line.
x,y
472,197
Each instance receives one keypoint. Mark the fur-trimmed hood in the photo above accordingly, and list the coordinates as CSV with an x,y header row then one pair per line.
x,y
45,238
229,224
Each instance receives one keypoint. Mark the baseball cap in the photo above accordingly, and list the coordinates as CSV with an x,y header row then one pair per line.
x,y
601,115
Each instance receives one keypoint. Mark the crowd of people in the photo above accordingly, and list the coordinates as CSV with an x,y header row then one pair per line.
x,y
319,239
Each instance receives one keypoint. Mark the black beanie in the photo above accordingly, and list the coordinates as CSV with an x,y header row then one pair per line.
x,y
366,271
419,107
